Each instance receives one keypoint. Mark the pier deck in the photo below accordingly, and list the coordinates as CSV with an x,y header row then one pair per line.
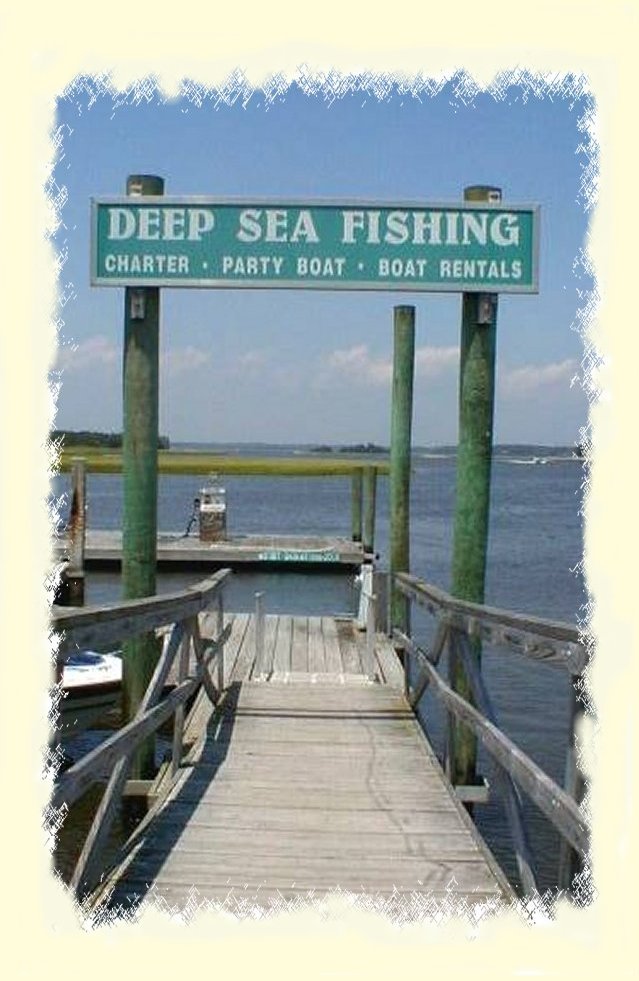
x,y
308,781
301,648
104,548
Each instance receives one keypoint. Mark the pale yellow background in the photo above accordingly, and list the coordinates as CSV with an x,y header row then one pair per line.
x,y
42,48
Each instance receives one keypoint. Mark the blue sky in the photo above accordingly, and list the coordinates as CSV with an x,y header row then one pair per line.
x,y
292,366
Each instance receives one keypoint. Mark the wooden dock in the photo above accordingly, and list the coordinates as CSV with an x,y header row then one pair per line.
x,y
307,778
301,649
103,548
298,764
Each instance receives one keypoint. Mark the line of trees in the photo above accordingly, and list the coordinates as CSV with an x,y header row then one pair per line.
x,y
85,437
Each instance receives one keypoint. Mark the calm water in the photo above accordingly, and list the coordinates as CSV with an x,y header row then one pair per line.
x,y
535,542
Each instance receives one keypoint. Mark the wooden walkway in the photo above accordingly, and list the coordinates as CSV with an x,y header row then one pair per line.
x,y
302,648
307,782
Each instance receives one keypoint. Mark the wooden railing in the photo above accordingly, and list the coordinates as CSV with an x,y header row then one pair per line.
x,y
91,627
459,623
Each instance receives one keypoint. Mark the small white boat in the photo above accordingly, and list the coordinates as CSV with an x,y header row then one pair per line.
x,y
91,686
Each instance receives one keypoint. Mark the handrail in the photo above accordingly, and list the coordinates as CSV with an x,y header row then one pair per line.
x,y
563,812
117,622
458,622
90,626
545,640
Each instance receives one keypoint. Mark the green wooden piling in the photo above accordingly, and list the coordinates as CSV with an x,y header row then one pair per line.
x,y
400,457
356,505
474,458
370,496
139,472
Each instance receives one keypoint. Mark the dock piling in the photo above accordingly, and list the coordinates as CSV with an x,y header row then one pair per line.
x,y
259,629
139,472
474,458
356,505
370,495
400,458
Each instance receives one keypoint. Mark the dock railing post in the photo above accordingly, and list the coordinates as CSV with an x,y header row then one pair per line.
x,y
74,572
220,630
370,635
400,458
140,477
356,505
259,633
370,494
569,861
474,458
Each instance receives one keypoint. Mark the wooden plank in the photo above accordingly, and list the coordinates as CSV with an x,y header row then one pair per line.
x,y
246,654
280,849
239,793
299,645
245,897
202,869
349,651
390,666
282,651
316,659
234,643
262,671
323,820
331,646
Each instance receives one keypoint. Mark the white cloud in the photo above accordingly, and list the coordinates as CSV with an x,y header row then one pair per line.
x,y
359,365
531,379
251,360
432,361
95,350
179,360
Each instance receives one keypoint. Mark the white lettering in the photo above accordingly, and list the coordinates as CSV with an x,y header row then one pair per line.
x,y
304,228
427,222
250,230
351,220
251,265
396,230
504,230
276,226
201,220
121,223
173,223
149,224
146,264
401,268
475,225
451,228
321,266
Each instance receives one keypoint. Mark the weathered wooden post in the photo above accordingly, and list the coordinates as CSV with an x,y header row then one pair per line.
x,y
72,582
139,475
370,495
574,785
474,458
356,505
400,458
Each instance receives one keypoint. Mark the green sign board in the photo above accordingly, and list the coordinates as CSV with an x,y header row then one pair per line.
x,y
200,242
